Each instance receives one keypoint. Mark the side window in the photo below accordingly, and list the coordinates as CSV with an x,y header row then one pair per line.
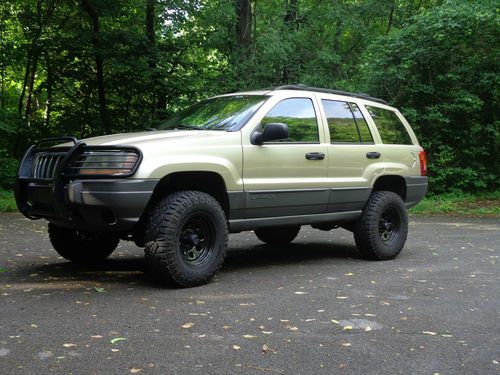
x,y
346,122
390,127
299,115
364,130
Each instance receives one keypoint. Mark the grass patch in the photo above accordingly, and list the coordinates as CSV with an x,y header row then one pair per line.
x,y
460,204
7,201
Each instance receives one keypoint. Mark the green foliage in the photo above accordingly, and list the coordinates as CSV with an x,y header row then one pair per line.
x,y
458,203
436,60
7,201
443,71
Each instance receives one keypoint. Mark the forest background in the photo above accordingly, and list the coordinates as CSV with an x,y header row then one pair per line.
x,y
91,67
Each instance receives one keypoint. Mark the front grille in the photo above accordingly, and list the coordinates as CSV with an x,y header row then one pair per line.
x,y
46,163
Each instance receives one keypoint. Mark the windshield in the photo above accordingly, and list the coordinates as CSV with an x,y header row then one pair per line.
x,y
223,113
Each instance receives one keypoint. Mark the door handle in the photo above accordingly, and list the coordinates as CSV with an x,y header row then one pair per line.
x,y
315,156
373,155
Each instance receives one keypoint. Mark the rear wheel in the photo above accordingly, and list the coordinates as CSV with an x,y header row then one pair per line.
x,y
80,247
186,238
277,235
380,233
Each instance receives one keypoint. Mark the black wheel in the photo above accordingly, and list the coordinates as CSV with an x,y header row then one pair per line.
x,y
381,231
277,235
186,238
79,247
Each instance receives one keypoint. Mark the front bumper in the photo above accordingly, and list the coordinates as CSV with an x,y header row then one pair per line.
x,y
99,206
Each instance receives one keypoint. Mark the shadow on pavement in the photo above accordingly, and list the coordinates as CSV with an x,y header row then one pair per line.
x,y
131,269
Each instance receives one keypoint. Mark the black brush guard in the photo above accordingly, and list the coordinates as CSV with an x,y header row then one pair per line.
x,y
55,203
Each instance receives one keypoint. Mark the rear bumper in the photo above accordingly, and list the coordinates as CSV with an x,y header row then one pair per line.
x,y
99,206
416,188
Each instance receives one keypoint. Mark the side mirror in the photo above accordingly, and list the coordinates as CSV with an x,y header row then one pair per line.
x,y
272,132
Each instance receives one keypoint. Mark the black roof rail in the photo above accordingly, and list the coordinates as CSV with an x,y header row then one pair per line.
x,y
302,87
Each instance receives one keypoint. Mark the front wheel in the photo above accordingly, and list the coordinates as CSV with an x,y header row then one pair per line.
x,y
80,247
380,233
186,238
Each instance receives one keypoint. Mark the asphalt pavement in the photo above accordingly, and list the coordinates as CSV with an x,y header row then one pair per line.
x,y
313,307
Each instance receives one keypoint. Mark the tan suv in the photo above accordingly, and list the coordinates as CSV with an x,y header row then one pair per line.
x,y
270,161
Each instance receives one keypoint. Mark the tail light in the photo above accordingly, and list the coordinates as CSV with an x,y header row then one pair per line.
x,y
423,163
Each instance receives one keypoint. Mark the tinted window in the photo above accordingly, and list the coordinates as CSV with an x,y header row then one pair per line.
x,y
390,127
346,122
340,121
299,115
364,130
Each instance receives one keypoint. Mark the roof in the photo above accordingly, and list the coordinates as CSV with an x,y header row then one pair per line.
x,y
301,87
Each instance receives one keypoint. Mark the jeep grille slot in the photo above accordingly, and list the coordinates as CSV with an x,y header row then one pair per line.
x,y
45,164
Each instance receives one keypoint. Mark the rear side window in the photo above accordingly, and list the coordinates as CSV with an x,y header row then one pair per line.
x,y
345,122
390,127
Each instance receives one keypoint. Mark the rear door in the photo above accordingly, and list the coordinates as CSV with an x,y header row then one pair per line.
x,y
354,157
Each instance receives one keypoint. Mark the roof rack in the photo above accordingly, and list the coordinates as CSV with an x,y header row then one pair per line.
x,y
302,87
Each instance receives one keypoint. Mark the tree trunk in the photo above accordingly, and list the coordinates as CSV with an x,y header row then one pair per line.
x,y
391,18
49,83
25,82
31,84
244,24
291,25
152,59
99,62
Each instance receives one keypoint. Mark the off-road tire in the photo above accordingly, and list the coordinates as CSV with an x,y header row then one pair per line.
x,y
79,247
277,236
178,221
380,233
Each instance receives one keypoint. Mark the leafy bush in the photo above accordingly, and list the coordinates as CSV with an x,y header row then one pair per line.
x,y
8,171
443,71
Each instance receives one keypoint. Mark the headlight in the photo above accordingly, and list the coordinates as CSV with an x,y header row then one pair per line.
x,y
105,162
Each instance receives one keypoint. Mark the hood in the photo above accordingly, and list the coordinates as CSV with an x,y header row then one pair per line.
x,y
143,138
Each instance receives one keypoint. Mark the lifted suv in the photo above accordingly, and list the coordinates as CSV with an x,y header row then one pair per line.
x,y
268,161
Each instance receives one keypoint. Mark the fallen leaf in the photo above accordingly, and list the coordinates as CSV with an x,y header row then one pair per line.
x,y
100,290
300,292
236,347
117,339
96,336
349,274
187,325
429,333
347,328
2,270
266,349
346,344
69,345
249,336
135,370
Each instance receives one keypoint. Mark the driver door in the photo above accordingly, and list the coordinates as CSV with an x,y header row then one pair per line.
x,y
287,177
